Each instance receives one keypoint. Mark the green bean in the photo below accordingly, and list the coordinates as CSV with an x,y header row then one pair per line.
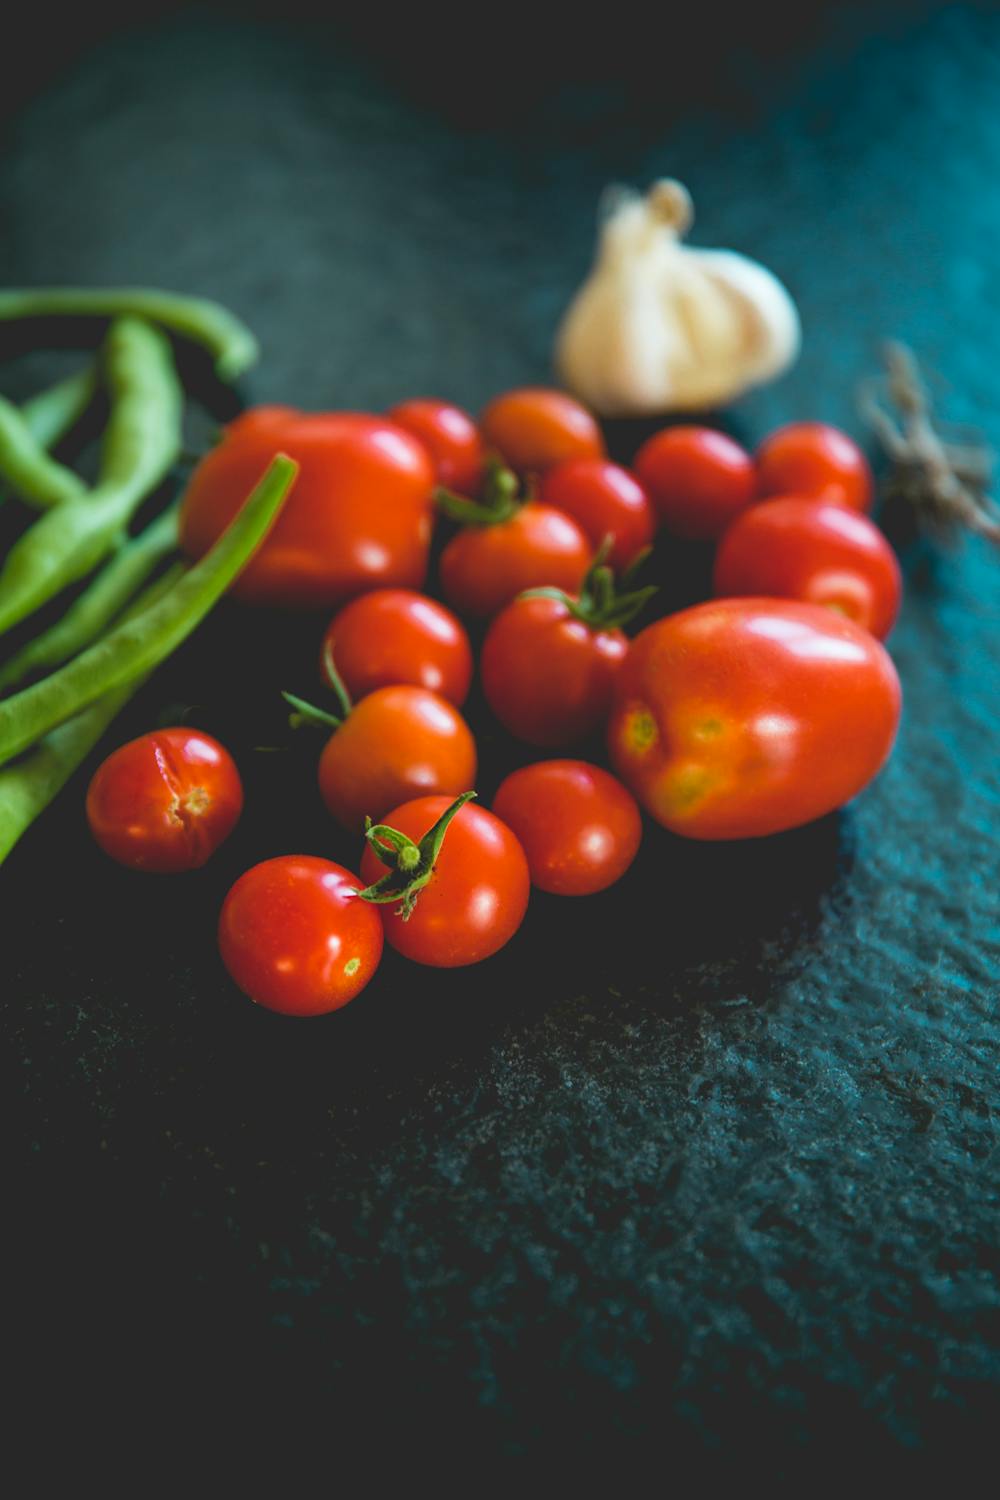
x,y
229,341
28,469
52,413
134,647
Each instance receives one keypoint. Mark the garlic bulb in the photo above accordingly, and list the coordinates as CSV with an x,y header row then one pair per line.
x,y
658,326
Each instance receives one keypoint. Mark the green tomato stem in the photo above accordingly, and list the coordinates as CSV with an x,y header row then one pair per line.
x,y
411,864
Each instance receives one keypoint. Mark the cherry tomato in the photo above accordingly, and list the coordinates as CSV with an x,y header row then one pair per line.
x,y
451,438
397,743
547,675
814,551
742,717
533,428
358,515
579,827
812,459
485,567
295,937
166,801
698,479
396,636
476,897
605,500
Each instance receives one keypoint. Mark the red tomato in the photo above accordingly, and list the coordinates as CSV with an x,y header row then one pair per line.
x,y
605,500
578,826
295,937
485,567
166,801
533,428
477,896
810,458
547,675
451,438
398,742
395,636
697,478
813,551
742,717
358,515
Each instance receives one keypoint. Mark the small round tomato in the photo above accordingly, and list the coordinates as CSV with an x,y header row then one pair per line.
x,y
814,460
814,551
398,742
742,717
605,500
476,897
485,567
533,428
451,438
295,937
698,480
166,801
579,827
358,515
396,636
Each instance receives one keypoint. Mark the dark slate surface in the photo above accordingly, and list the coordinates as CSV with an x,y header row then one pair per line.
x,y
708,1165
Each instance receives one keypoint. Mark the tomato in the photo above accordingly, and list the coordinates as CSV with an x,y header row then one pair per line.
x,y
166,801
698,479
533,428
295,937
451,438
579,827
605,500
812,459
814,551
397,743
358,515
476,897
396,636
485,567
742,717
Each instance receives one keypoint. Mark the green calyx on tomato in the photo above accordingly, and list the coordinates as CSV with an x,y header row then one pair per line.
x,y
603,603
500,498
307,713
410,864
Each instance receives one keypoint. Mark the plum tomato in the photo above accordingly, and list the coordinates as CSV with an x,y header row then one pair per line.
x,y
165,801
358,516
533,427
815,551
743,717
451,438
578,826
605,500
813,460
485,567
698,480
396,636
295,937
477,892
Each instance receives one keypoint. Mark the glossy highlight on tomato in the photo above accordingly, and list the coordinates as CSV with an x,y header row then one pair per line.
x,y
605,500
579,827
534,427
451,438
816,460
395,636
698,479
485,567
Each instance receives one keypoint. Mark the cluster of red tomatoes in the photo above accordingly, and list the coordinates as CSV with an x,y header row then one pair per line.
x,y
759,710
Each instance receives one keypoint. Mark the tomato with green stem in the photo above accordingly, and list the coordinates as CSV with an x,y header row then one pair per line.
x,y
816,460
698,479
579,827
605,500
534,427
394,636
451,438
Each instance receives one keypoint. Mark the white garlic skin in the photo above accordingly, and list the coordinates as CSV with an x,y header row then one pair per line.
x,y
660,327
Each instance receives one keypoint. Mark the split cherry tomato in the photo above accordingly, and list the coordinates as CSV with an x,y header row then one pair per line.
x,y
485,567
451,438
742,717
818,552
396,636
533,428
579,827
698,480
358,515
166,801
605,500
295,937
814,460
477,895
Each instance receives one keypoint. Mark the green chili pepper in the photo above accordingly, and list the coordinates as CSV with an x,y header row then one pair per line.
x,y
52,413
228,340
28,469
134,647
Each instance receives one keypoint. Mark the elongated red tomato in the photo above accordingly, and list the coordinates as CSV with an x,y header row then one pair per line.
x,y
578,826
451,438
397,636
166,801
533,427
698,479
485,567
605,500
815,551
742,717
811,458
295,937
